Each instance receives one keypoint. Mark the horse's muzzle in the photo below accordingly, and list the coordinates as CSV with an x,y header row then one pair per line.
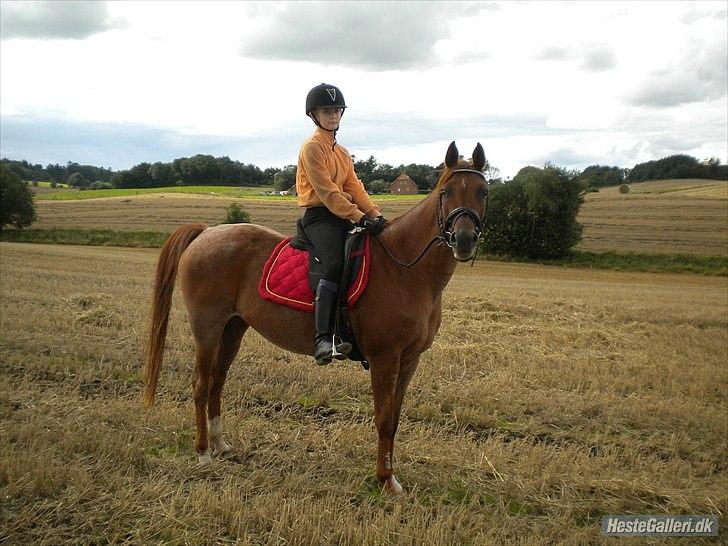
x,y
464,243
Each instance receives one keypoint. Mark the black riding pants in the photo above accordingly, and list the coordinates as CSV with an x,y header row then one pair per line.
x,y
327,233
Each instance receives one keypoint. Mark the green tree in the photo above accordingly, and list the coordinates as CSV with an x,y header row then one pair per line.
x,y
16,200
378,186
285,178
162,174
364,169
534,215
677,166
600,175
234,214
77,180
267,176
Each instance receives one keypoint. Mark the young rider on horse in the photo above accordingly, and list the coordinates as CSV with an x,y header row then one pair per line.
x,y
335,200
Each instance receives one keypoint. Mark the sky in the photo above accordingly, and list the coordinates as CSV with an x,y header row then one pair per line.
x,y
114,84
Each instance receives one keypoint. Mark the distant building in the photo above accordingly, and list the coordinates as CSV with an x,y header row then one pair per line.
x,y
403,185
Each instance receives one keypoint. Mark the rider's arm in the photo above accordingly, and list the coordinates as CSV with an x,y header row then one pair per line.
x,y
313,162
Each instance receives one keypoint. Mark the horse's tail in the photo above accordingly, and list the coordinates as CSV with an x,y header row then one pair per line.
x,y
162,301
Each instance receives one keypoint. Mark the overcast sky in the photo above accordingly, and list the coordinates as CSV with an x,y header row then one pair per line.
x,y
117,83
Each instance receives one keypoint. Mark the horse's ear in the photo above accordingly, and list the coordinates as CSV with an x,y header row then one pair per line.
x,y
479,160
452,156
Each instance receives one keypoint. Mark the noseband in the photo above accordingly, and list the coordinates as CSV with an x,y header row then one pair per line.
x,y
445,226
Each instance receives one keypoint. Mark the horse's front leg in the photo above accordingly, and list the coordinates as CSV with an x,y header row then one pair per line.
x,y
385,372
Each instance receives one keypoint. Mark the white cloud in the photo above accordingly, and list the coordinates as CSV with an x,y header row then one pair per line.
x,y
58,19
362,34
598,57
592,57
700,74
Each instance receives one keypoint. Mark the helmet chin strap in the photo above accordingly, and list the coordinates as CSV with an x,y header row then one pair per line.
x,y
316,121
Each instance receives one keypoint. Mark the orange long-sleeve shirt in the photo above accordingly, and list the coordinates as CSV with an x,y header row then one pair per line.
x,y
327,177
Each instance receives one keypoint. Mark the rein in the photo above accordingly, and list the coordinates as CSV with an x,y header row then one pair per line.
x,y
445,235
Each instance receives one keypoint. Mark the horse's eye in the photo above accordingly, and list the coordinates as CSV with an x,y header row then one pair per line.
x,y
482,193
445,192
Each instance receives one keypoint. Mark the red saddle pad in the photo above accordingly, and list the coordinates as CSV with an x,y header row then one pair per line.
x,y
285,278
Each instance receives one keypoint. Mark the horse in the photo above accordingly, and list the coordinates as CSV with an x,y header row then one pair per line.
x,y
395,320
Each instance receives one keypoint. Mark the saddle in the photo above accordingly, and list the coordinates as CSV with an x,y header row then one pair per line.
x,y
285,280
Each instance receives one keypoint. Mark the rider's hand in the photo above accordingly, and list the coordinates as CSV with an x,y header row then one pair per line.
x,y
370,225
382,221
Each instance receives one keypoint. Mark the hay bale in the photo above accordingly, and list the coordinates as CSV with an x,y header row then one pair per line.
x,y
624,188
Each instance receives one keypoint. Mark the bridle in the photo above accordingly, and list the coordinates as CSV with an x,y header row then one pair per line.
x,y
446,235
445,226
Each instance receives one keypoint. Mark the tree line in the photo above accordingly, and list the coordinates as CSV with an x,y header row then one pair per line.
x,y
204,169
678,166
55,172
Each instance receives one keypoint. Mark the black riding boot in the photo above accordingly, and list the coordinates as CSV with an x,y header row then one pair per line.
x,y
324,313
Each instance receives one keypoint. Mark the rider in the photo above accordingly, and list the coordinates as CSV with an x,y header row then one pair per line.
x,y
334,198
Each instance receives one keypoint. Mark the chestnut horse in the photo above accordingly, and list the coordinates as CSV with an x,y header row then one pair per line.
x,y
395,320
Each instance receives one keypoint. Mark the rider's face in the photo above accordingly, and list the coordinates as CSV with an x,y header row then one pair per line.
x,y
329,117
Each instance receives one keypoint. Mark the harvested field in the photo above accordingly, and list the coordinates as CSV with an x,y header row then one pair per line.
x,y
166,212
161,212
671,217
552,396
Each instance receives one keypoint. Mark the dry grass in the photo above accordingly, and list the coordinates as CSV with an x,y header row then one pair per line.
x,y
551,397
167,212
671,217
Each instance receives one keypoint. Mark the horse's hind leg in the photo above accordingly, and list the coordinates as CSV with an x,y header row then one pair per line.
x,y
206,351
230,343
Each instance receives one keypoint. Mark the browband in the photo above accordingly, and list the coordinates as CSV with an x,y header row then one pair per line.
x,y
481,174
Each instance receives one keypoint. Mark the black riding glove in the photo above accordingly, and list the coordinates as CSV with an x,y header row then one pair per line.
x,y
372,226
382,221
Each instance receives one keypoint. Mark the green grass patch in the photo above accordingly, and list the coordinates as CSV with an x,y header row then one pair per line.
x,y
215,191
247,192
90,237
629,261
654,263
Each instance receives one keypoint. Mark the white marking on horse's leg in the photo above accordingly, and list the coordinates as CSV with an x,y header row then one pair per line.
x,y
215,435
205,458
393,487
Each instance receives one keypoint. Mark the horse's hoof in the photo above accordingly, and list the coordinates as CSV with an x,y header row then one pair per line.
x,y
205,458
392,487
222,447
226,452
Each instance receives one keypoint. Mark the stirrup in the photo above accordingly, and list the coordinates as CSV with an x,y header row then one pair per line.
x,y
325,355
340,349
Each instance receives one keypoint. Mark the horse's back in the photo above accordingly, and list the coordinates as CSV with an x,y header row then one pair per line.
x,y
222,259
226,242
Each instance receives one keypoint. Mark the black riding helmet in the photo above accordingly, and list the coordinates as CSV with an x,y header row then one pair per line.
x,y
322,96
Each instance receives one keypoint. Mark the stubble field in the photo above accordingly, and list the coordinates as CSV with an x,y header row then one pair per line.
x,y
552,396
672,216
